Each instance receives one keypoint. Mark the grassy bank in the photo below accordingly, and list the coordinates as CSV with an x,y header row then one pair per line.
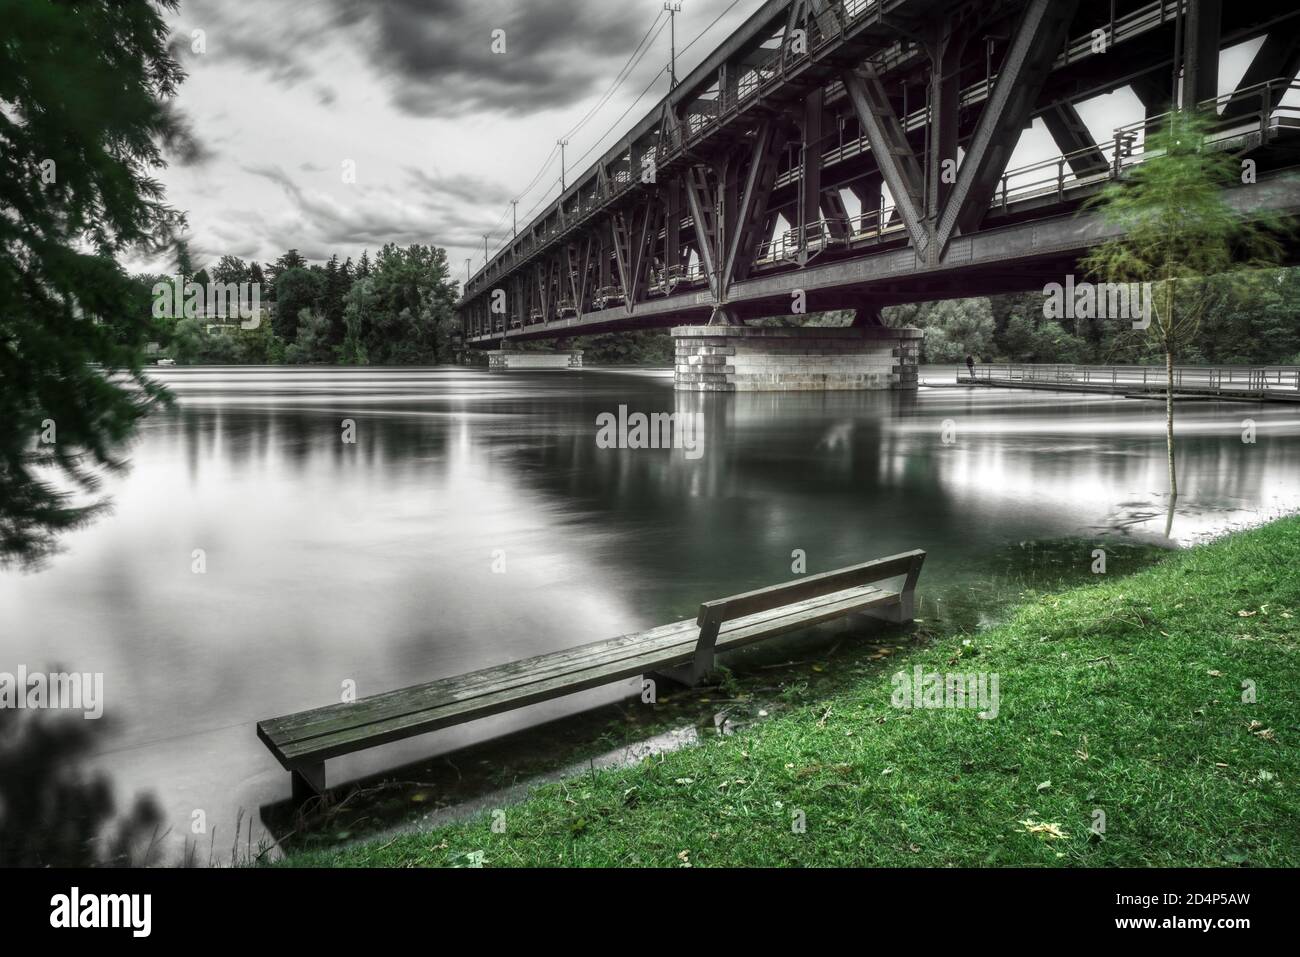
x,y
1124,698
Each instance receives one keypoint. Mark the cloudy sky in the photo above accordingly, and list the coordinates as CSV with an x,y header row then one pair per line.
x,y
285,98
442,131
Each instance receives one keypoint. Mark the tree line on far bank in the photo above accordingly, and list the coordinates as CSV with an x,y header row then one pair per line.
x,y
396,309
1255,321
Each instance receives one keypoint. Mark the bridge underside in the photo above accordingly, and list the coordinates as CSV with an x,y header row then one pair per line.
x,y
852,154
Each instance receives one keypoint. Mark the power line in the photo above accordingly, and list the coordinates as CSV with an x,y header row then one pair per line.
x,y
624,114
631,63
709,27
549,158
618,80
634,59
500,223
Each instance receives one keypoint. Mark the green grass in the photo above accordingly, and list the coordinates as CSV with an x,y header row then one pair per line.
x,y
1123,697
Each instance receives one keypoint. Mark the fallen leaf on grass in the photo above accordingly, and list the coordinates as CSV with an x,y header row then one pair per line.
x,y
1052,831
1259,731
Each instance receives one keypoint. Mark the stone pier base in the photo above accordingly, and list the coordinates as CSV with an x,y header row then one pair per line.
x,y
761,359
514,359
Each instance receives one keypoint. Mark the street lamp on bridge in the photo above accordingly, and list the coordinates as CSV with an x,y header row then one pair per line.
x,y
673,7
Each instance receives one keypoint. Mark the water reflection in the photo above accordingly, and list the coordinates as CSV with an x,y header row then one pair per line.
x,y
372,562
53,812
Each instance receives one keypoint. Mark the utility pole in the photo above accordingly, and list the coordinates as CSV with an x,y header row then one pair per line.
x,y
485,252
514,229
467,262
673,7
563,144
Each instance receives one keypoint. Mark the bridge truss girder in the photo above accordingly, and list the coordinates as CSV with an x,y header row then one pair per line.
x,y
926,100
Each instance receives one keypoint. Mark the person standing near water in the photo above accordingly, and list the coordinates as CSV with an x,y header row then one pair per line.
x,y
970,365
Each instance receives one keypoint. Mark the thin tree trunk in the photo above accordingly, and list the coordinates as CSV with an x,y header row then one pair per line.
x,y
1169,421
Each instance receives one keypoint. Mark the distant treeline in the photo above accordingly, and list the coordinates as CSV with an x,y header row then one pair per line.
x,y
1255,321
394,310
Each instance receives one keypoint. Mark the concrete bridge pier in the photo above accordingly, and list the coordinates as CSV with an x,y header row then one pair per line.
x,y
740,358
514,359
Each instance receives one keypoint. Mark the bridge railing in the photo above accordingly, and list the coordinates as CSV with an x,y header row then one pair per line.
x,y
1262,113
811,237
1187,378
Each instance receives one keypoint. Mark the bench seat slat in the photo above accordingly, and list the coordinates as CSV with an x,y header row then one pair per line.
x,y
313,736
392,704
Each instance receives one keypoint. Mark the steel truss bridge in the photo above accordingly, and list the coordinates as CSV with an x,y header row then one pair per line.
x,y
856,152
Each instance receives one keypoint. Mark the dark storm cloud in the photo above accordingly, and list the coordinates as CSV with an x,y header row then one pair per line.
x,y
283,41
439,59
435,54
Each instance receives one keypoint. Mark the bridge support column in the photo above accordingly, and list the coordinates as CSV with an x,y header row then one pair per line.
x,y
809,359
503,359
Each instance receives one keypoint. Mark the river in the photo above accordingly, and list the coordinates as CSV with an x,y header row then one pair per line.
x,y
474,520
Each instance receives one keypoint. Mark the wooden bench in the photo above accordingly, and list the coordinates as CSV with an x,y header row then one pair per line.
x,y
683,651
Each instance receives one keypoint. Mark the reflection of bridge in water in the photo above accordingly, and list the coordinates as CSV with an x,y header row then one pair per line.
x,y
1254,383
852,154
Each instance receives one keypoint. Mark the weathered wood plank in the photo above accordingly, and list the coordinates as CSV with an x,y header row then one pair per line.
x,y
339,729
393,703
761,599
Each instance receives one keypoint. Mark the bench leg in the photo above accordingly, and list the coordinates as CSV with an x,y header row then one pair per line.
x,y
900,613
688,675
308,781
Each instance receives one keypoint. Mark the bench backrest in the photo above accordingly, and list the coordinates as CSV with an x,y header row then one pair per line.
x,y
714,613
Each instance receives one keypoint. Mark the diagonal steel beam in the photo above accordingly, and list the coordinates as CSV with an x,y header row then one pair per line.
x,y
1074,139
570,261
793,17
619,230
759,181
639,253
704,214
584,277
893,154
1278,57
1037,40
